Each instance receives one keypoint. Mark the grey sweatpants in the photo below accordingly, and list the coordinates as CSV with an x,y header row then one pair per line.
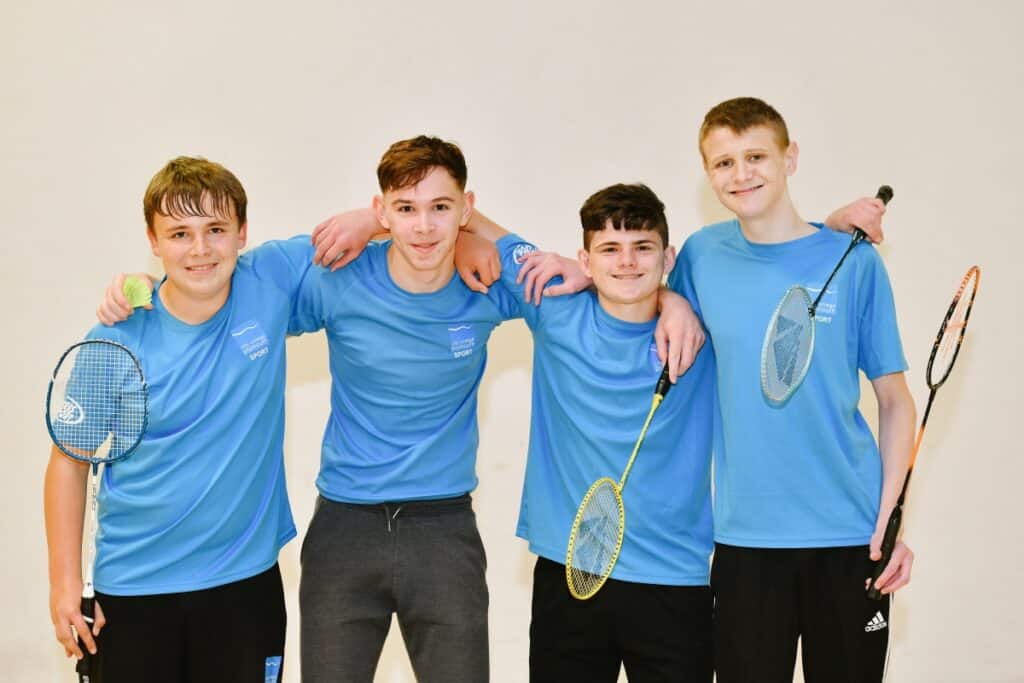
x,y
420,560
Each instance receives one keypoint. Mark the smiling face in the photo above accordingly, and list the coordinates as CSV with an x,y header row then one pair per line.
x,y
627,267
424,221
748,171
199,254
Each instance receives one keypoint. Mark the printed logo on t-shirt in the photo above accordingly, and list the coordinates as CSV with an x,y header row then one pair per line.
x,y
462,340
827,306
251,339
652,356
521,251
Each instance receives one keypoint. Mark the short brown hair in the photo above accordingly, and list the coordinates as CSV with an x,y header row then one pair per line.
x,y
407,162
739,115
179,188
626,207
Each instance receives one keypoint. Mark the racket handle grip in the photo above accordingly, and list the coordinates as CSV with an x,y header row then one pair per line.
x,y
664,383
892,529
84,665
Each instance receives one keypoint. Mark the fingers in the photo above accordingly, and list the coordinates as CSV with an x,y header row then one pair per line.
x,y
318,231
875,546
116,291
84,630
72,628
493,269
559,290
531,289
66,637
336,257
469,276
869,219
100,620
897,572
662,343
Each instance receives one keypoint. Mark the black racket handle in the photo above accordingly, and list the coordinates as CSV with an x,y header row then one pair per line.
x,y
884,193
888,543
664,383
84,666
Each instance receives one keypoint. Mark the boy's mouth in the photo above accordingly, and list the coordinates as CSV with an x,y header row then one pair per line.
x,y
746,191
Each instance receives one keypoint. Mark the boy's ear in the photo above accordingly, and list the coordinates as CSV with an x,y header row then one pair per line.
x,y
243,234
791,155
378,208
584,258
670,259
152,242
467,210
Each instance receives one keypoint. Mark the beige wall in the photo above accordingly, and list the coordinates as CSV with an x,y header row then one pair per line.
x,y
549,101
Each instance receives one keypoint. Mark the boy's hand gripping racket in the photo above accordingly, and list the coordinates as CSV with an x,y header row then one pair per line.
x,y
596,536
97,408
789,340
944,353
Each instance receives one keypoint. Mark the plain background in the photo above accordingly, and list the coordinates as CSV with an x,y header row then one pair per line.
x,y
549,101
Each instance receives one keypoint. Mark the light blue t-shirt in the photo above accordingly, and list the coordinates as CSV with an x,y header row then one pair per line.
x,y
405,371
202,501
593,381
806,474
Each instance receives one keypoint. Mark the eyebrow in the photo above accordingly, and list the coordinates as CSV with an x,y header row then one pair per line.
x,y
620,243
218,222
435,200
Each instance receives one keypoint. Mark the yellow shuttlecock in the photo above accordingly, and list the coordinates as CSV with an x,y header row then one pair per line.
x,y
137,292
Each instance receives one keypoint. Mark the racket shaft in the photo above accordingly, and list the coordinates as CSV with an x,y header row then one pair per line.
x,y
84,666
892,529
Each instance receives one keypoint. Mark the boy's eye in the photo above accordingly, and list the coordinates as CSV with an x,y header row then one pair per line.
x,y
756,157
724,163
441,207
216,230
181,234
405,208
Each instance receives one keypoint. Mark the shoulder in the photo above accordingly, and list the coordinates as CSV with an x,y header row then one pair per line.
x,y
710,235
127,332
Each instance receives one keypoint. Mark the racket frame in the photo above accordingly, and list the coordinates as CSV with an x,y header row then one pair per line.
x,y
885,194
892,526
768,336
88,604
660,390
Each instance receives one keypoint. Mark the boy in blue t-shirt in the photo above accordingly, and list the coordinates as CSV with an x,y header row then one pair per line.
x,y
394,531
186,576
595,366
802,491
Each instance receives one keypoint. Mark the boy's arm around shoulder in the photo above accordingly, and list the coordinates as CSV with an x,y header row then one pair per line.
x,y
536,269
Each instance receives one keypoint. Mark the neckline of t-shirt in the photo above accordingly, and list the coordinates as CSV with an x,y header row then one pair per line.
x,y
625,327
820,234
161,308
395,287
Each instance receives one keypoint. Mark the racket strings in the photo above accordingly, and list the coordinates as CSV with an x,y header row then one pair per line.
x,y
98,406
951,336
594,546
786,352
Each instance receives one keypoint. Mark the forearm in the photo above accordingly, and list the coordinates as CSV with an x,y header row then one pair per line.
x,y
64,509
896,420
481,225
